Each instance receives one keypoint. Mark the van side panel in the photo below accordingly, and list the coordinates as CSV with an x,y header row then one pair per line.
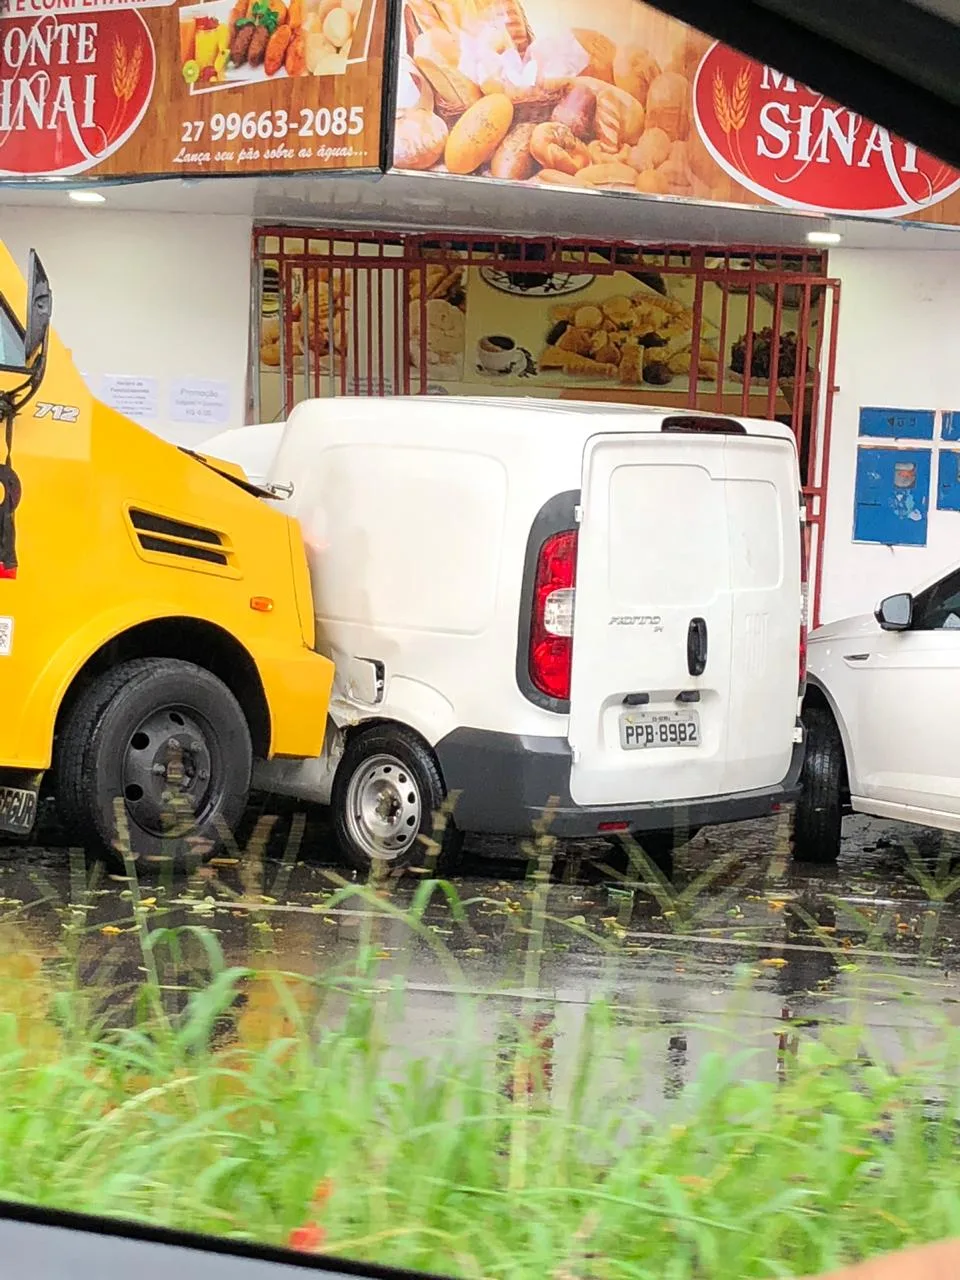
x,y
410,537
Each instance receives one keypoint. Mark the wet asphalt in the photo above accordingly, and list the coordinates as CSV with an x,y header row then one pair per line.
x,y
719,954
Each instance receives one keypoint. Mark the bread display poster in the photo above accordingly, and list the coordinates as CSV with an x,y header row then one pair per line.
x,y
629,336
581,332
611,95
152,88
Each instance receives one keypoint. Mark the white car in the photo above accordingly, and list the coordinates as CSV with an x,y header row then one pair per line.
x,y
882,713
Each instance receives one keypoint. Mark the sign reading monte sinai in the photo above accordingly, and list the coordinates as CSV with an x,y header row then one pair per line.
x,y
126,89
612,95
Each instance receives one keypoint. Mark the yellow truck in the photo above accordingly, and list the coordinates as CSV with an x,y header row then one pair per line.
x,y
156,618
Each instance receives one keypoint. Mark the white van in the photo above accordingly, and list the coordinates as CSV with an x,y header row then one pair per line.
x,y
587,616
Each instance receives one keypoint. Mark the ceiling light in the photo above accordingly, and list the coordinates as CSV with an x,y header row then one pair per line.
x,y
87,197
824,237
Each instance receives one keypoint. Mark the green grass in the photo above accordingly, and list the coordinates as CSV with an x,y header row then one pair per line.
x,y
221,1118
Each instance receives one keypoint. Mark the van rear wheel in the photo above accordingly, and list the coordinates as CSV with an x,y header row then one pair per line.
x,y
387,802
154,760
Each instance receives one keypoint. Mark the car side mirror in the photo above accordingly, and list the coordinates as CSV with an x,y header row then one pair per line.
x,y
896,612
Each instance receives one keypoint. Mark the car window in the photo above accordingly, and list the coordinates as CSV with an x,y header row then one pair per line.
x,y
938,608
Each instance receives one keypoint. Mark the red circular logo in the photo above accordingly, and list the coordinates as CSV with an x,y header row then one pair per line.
x,y
794,147
73,88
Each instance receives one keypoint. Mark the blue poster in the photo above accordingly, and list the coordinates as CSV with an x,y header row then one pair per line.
x,y
948,481
897,424
891,497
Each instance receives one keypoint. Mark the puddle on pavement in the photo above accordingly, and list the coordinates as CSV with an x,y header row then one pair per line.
x,y
724,954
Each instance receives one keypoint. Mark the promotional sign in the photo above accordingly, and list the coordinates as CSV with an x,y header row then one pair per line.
x,y
150,88
611,95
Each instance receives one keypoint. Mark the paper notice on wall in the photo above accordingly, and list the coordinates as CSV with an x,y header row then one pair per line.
x,y
201,401
135,397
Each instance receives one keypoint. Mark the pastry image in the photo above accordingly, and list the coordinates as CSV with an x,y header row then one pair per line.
x,y
446,333
610,109
574,363
318,324
630,338
438,292
761,353
223,43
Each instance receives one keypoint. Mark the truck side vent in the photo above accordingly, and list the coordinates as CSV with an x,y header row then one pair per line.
x,y
176,538
704,426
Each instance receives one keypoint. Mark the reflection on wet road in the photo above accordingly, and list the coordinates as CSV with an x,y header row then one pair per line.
x,y
716,956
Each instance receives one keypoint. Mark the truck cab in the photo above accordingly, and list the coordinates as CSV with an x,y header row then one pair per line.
x,y
156,618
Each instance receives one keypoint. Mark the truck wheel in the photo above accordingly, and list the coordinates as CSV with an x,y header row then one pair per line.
x,y
819,812
386,794
158,747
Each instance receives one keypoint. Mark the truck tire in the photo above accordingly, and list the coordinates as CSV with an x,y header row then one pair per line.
x,y
818,816
154,757
387,795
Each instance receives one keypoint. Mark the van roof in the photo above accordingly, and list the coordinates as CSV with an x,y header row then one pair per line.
x,y
525,409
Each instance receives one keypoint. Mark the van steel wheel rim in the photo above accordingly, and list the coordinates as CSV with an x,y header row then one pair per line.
x,y
167,769
383,809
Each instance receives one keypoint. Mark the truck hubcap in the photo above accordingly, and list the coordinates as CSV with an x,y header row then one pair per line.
x,y
383,809
167,769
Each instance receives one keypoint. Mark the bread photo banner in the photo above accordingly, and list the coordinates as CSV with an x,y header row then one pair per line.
x,y
611,95
151,88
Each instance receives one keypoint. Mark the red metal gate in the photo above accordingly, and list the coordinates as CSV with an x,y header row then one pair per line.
x,y
742,331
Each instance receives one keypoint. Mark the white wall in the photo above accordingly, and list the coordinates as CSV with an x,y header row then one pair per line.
x,y
899,343
158,295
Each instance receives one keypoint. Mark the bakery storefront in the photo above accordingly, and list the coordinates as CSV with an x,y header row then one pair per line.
x,y
735,332
582,201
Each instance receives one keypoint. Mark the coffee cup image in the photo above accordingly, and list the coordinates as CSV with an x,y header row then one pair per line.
x,y
497,353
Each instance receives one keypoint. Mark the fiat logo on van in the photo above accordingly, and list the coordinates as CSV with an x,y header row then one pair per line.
x,y
637,620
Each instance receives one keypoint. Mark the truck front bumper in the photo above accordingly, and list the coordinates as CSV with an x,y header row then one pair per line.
x,y
298,689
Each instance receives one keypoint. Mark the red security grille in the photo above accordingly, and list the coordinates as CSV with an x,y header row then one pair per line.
x,y
738,331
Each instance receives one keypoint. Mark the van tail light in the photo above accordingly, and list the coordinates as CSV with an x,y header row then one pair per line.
x,y
551,627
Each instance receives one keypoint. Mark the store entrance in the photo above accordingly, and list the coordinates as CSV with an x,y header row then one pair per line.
x,y
741,331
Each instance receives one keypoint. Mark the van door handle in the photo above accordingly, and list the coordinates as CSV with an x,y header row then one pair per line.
x,y
856,657
697,646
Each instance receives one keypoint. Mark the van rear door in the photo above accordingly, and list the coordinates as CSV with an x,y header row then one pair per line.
x,y
679,602
653,600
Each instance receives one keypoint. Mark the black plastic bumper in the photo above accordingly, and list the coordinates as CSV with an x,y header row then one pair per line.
x,y
508,784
